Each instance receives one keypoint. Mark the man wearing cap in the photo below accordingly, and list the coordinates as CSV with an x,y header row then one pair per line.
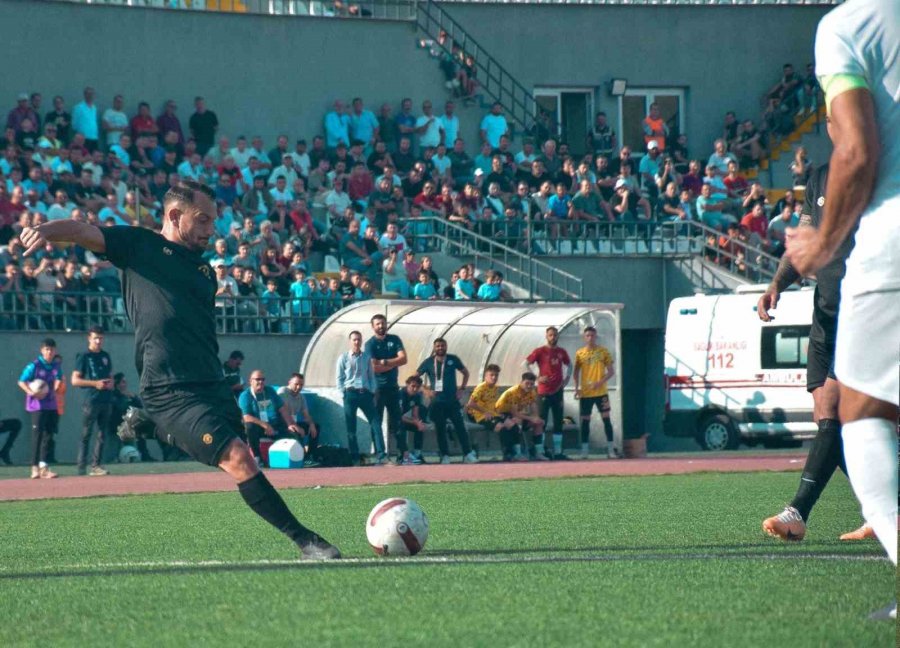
x,y
627,202
648,169
20,113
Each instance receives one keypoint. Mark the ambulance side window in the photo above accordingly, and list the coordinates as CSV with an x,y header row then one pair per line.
x,y
784,347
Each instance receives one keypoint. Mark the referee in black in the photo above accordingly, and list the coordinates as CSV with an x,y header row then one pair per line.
x,y
826,452
169,293
93,373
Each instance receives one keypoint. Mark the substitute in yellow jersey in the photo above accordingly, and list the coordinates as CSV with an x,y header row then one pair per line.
x,y
593,371
518,406
482,405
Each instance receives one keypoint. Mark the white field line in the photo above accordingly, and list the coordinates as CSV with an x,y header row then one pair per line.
x,y
476,559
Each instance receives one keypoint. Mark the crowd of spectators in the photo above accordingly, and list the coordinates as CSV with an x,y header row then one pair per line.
x,y
354,191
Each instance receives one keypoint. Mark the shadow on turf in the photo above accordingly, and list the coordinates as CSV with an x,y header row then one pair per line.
x,y
455,558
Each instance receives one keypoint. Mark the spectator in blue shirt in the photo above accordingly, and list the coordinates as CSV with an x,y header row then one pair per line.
x,y
363,125
424,290
491,289
560,203
337,126
356,379
264,412
463,288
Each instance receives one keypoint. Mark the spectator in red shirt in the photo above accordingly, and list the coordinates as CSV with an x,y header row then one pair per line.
x,y
693,179
736,184
756,223
552,379
143,124
20,113
361,184
428,199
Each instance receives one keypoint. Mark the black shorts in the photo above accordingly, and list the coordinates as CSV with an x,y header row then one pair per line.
x,y
586,405
819,362
200,418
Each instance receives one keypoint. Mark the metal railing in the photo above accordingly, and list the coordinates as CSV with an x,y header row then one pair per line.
x,y
378,9
492,78
490,251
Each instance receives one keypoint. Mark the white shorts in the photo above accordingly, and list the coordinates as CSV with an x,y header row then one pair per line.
x,y
867,355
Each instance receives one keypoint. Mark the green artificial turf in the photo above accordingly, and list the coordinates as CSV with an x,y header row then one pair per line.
x,y
617,561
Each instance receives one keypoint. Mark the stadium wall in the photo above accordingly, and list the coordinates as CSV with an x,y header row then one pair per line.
x,y
261,74
278,356
723,56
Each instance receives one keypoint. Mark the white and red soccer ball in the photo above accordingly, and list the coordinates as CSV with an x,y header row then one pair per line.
x,y
397,527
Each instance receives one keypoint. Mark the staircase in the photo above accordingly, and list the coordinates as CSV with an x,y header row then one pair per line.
x,y
494,82
809,131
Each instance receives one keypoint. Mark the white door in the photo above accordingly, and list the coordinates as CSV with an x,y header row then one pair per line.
x,y
634,106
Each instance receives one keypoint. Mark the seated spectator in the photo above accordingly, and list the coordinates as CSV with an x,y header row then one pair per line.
x,y
730,129
693,179
756,225
587,204
710,211
749,146
717,184
393,278
463,288
720,158
679,152
669,207
264,413
736,185
424,290
292,395
666,174
787,200
648,168
628,205
786,88
491,290
777,229
777,119
756,195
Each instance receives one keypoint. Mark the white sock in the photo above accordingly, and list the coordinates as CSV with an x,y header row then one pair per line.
x,y
870,450
42,464
557,444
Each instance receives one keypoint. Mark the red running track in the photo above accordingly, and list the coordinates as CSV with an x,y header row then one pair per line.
x,y
202,482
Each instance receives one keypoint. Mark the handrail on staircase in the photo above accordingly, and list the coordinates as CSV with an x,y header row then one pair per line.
x,y
521,110
540,279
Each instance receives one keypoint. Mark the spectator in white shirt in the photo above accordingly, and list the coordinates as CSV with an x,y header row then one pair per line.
x,y
286,171
449,124
281,192
337,200
84,120
494,126
428,127
302,160
240,152
720,158
115,122
392,239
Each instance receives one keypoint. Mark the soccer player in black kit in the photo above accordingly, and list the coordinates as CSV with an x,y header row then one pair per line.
x,y
826,453
169,293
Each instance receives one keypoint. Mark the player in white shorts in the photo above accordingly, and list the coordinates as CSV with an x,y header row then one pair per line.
x,y
858,66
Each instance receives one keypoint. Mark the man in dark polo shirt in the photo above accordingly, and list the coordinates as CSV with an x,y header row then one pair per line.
x,y
388,354
169,293
441,369
93,373
231,368
826,453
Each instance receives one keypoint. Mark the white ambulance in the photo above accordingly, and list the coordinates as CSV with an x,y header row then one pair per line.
x,y
731,378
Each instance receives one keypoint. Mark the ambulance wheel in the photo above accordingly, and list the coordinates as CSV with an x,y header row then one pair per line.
x,y
717,432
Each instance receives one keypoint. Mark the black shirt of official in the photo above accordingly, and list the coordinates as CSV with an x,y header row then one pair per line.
x,y
385,349
95,366
828,278
169,294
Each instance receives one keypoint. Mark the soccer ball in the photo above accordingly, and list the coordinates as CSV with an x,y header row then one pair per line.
x,y
397,527
129,454
40,388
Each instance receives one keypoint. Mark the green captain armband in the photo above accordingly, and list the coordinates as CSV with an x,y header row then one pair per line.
x,y
836,84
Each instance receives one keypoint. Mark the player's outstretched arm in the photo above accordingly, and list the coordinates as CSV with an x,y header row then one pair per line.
x,y
64,231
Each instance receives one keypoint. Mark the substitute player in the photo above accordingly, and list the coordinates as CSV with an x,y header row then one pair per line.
x,y
858,65
169,293
553,374
593,371
482,409
826,453
517,405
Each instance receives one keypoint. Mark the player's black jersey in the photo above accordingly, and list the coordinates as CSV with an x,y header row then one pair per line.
x,y
828,279
169,296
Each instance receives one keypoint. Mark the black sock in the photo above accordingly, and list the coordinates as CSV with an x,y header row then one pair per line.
x,y
585,430
607,427
265,501
507,439
824,456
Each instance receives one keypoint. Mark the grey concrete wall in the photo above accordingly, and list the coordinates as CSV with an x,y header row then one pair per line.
x,y
724,56
261,74
277,355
